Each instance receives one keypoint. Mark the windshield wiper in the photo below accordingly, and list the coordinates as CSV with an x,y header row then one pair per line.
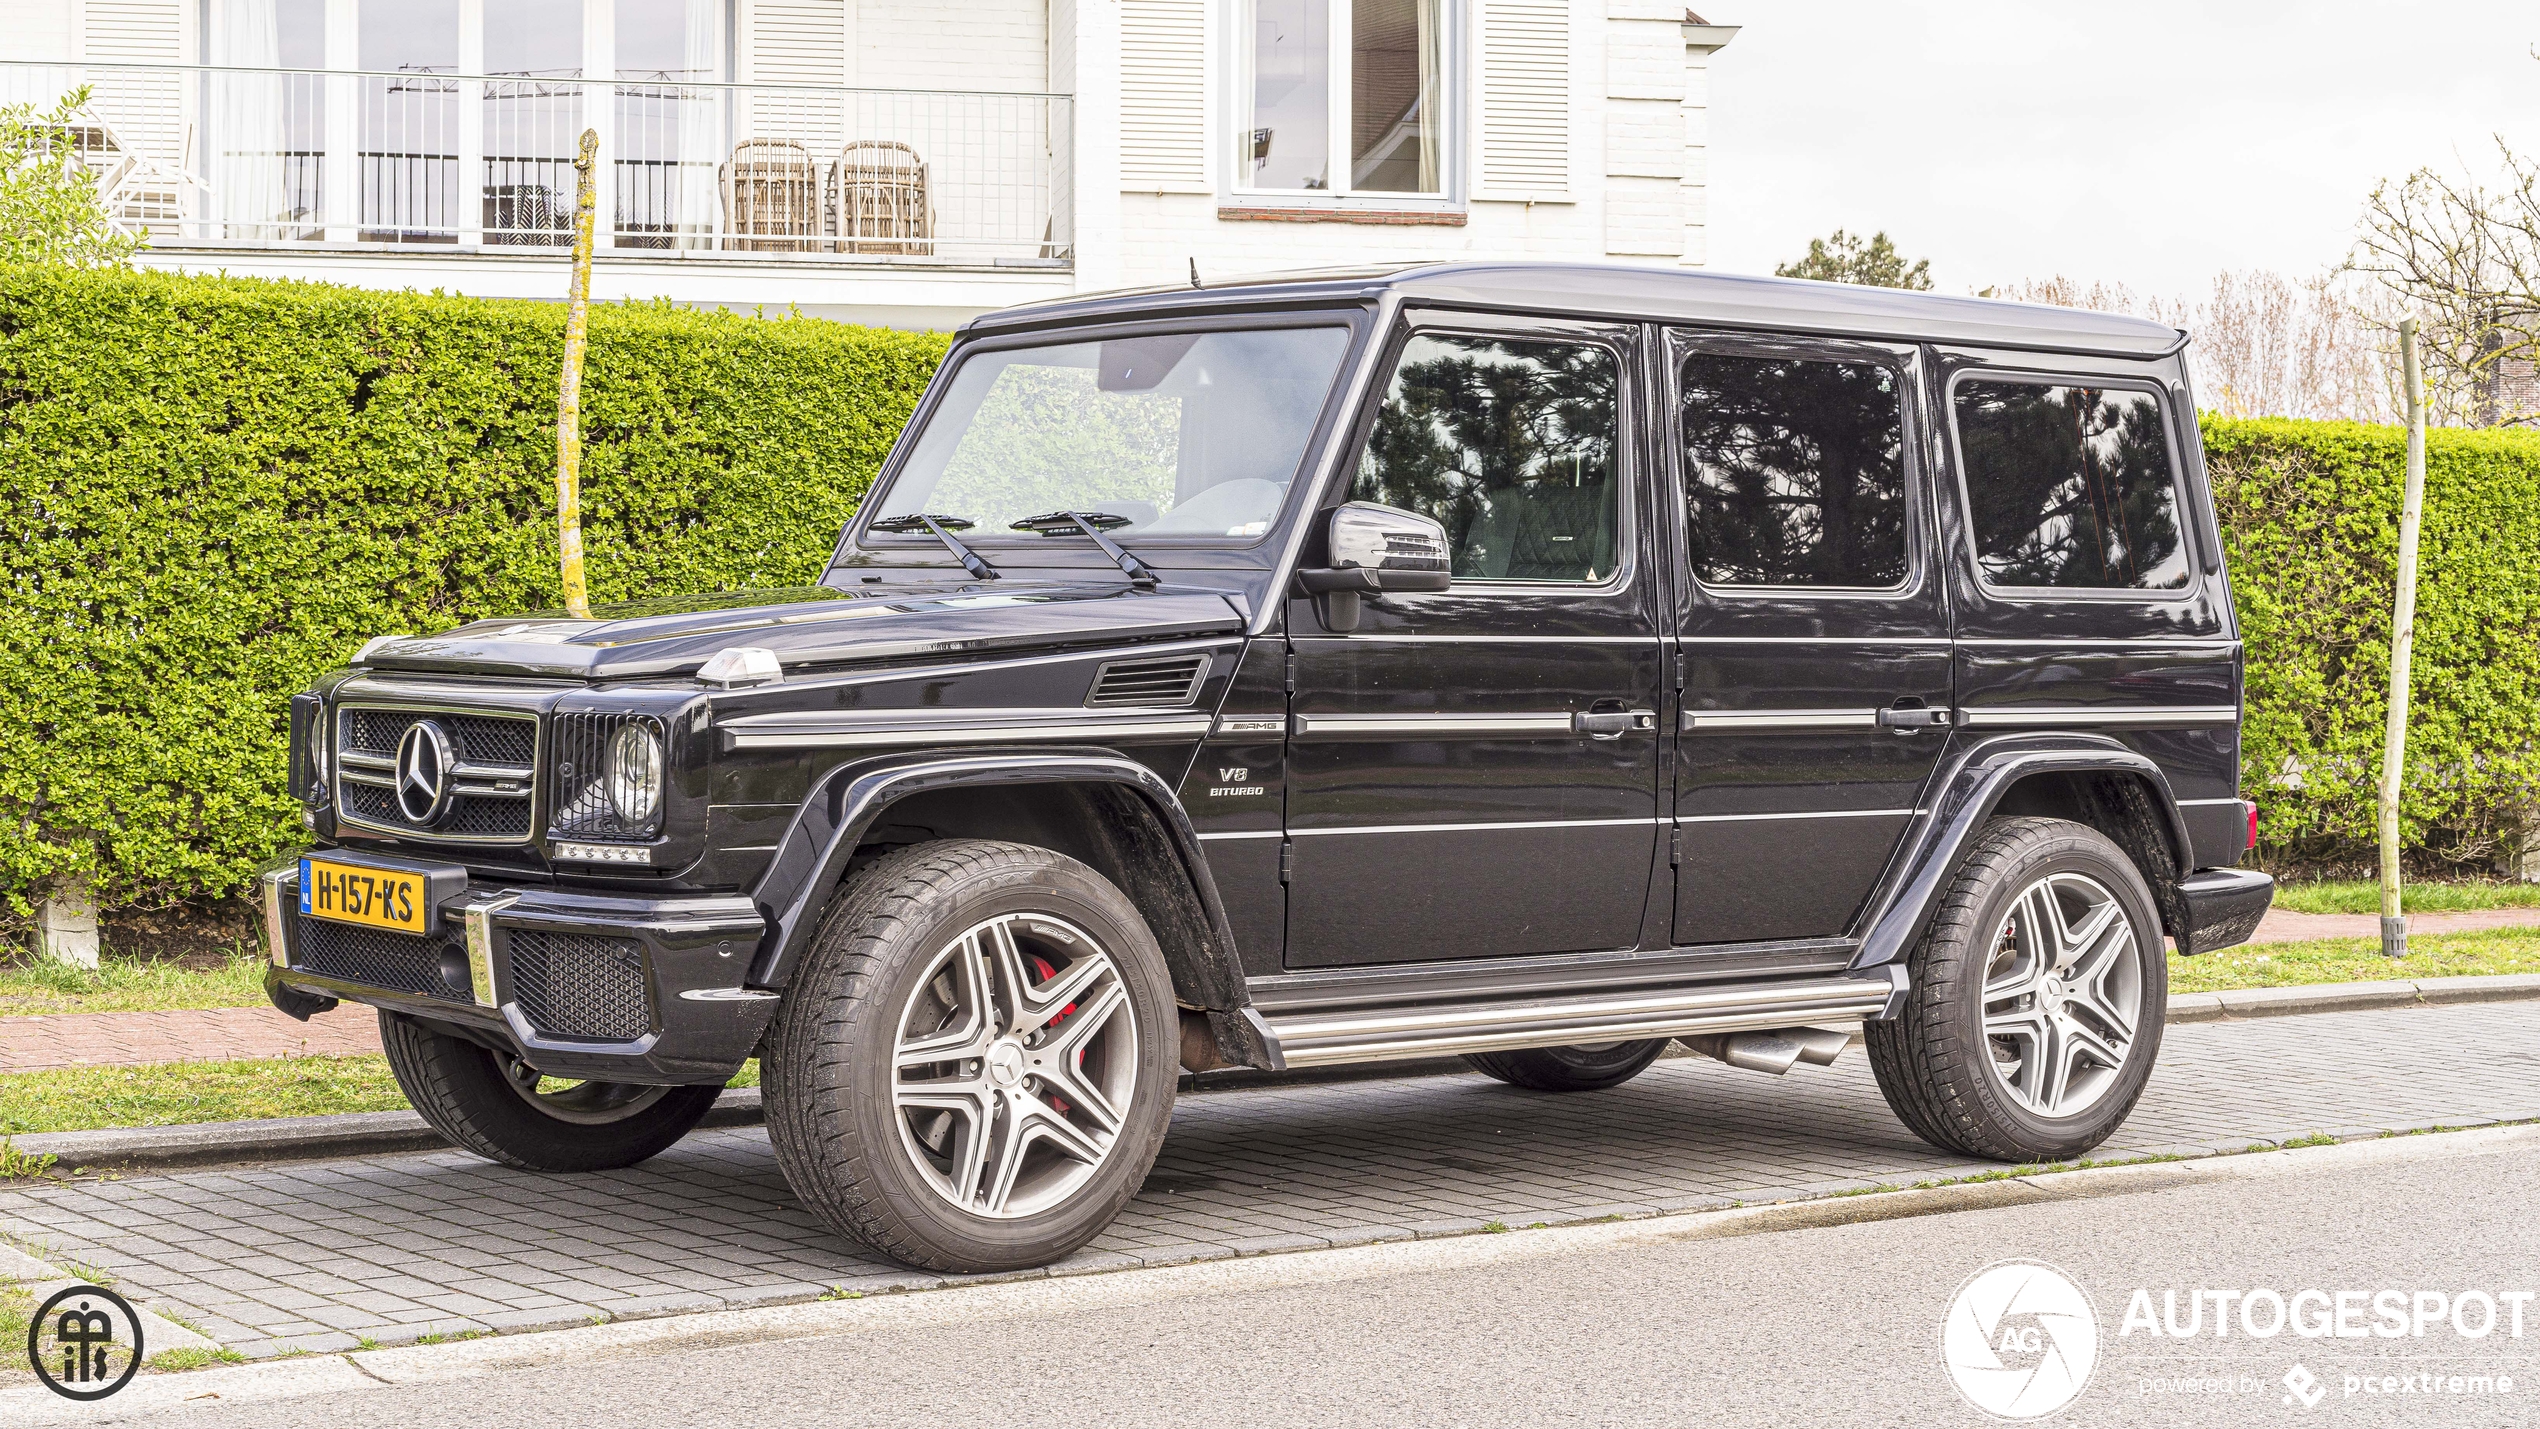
x,y
1094,523
941,528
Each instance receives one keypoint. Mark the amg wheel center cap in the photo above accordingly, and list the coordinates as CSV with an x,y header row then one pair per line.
x,y
1005,1064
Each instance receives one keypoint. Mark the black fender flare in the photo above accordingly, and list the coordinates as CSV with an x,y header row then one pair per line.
x,y
810,864
1962,799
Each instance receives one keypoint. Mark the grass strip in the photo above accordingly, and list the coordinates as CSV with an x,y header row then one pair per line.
x,y
41,986
183,1093
2431,955
2357,896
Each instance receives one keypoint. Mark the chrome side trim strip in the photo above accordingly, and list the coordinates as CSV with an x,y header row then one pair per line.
x,y
1932,640
2192,803
1473,828
2082,646
1486,639
833,730
1322,1040
1331,726
1811,814
1245,834
2175,716
1704,721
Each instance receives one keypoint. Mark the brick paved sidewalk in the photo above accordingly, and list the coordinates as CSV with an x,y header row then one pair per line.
x,y
390,1248
2283,925
126,1039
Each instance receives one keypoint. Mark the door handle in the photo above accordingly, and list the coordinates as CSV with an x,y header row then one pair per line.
x,y
1909,719
1611,724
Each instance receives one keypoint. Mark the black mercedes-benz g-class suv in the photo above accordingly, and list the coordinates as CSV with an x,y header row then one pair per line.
x,y
1523,662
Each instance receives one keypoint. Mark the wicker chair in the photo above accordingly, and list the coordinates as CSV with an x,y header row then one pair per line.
x,y
880,200
771,197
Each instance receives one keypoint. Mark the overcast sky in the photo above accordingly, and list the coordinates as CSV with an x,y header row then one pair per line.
x,y
2149,144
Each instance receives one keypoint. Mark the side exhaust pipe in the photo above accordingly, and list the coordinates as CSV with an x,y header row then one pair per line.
x,y
1776,1051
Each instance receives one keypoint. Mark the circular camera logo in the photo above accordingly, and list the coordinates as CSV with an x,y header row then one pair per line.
x,y
85,1343
2020,1339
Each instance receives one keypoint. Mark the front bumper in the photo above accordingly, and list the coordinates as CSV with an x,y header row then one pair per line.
x,y
639,990
2223,906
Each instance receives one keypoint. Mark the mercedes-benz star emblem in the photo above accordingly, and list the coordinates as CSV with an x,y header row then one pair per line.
x,y
424,758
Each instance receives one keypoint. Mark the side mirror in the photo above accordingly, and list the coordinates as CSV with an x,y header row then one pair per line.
x,y
1374,549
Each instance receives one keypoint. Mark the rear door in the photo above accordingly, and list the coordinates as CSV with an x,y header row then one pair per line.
x,y
1442,802
1813,630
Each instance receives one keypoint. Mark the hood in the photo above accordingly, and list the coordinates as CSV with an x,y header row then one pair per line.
x,y
810,626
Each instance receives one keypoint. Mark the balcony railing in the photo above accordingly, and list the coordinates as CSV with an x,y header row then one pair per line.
x,y
205,155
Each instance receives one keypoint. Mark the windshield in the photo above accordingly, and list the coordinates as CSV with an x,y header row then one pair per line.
x,y
1179,434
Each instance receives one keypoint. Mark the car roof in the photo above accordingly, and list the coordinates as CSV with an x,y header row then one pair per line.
x,y
1730,300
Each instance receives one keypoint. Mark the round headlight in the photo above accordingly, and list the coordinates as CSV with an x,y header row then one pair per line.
x,y
634,774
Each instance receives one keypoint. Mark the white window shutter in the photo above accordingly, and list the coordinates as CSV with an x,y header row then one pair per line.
x,y
795,42
1525,89
1164,96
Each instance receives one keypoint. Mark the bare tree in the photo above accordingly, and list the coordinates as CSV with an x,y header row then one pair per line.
x,y
2264,345
2466,258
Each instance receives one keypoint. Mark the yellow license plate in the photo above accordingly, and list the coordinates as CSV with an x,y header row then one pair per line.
x,y
371,897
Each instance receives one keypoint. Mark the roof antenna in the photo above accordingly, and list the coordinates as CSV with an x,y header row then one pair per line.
x,y
1195,272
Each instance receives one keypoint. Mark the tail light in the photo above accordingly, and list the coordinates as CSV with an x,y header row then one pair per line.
x,y
2253,825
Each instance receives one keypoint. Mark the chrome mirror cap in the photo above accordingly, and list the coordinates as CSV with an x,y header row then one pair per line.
x,y
1389,540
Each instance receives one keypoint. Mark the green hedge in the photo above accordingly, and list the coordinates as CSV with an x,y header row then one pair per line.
x,y
2310,513
211,490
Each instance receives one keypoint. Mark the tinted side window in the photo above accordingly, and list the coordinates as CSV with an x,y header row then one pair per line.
x,y
1794,471
2070,486
1510,444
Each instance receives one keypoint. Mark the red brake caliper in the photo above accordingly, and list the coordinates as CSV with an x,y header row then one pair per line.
x,y
1043,971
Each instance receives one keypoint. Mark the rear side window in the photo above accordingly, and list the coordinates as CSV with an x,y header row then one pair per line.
x,y
2070,486
1510,445
1794,471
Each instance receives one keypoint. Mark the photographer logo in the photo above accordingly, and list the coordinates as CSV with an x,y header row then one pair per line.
x,y
2019,1339
85,1343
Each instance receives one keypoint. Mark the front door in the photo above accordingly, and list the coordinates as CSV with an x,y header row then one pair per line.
x,y
1444,800
1814,634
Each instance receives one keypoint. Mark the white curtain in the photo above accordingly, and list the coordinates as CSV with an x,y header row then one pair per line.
x,y
701,125
247,122
1432,106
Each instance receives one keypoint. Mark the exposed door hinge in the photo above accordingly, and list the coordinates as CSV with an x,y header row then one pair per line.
x,y
1680,669
1292,672
1675,848
1287,859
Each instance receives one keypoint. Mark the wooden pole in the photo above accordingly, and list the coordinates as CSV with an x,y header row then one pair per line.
x,y
577,328
2394,744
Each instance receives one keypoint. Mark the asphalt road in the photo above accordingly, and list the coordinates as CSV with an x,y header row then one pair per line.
x,y
1833,1325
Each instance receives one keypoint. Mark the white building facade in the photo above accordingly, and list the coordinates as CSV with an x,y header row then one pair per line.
x,y
878,160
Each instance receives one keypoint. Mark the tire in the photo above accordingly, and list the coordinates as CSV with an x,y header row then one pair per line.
x,y
949,945
1569,1069
2050,1064
464,1092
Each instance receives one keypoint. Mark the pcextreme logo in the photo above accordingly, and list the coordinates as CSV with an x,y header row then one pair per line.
x,y
2020,1339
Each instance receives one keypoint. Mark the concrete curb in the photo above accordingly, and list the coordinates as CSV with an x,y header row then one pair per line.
x,y
302,1138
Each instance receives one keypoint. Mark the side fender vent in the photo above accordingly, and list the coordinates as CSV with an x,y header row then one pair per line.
x,y
1170,680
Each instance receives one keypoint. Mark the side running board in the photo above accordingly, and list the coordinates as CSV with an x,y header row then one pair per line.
x,y
1322,1038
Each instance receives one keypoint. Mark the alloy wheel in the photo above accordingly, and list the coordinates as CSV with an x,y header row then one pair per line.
x,y
1014,1065
2063,995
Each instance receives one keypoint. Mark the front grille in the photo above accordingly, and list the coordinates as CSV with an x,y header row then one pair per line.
x,y
1170,680
579,788
399,962
494,769
575,985
467,818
